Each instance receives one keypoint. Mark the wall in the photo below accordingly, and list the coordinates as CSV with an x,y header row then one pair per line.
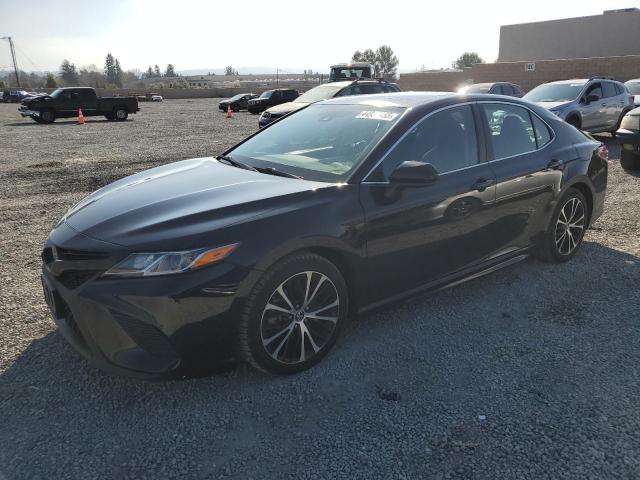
x,y
614,33
620,68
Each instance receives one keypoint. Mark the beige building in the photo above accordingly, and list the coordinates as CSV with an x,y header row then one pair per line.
x,y
614,33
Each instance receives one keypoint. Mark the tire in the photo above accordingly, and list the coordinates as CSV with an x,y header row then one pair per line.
x,y
48,116
559,243
235,108
574,120
37,119
276,337
110,117
120,114
630,160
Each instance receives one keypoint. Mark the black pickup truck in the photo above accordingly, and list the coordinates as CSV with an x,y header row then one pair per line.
x,y
65,102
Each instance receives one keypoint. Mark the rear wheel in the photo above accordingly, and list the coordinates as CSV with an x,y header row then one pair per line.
x,y
47,116
293,315
567,228
120,114
630,160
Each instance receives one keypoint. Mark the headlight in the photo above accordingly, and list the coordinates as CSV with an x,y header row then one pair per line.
x,y
630,122
166,263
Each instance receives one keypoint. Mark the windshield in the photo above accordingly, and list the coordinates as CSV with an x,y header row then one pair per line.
x,y
634,87
558,92
56,93
347,73
476,89
239,96
321,142
323,92
266,94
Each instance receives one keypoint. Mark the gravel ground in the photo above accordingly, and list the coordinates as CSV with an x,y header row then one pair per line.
x,y
529,373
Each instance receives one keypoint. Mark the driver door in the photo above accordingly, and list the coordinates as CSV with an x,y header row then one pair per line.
x,y
593,113
419,234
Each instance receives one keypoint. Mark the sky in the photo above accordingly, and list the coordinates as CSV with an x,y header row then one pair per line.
x,y
290,35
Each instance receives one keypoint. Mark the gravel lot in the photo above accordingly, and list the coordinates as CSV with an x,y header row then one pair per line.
x,y
530,373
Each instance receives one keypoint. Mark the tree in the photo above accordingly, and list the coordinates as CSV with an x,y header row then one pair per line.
x,y
149,72
2,84
229,71
384,61
170,71
119,74
51,81
69,73
387,62
156,71
467,59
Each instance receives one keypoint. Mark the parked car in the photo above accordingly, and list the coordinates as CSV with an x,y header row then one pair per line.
x,y
634,88
344,206
237,102
65,102
494,88
15,96
323,92
594,104
628,136
150,97
271,98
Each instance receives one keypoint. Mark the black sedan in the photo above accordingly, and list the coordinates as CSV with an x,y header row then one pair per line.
x,y
237,102
261,253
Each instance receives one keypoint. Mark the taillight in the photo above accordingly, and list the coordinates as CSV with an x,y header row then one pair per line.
x,y
603,152
632,100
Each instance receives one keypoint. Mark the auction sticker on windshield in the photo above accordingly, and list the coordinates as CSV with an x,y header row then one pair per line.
x,y
377,115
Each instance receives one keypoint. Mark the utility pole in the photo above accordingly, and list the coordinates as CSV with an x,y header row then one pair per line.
x,y
13,57
277,79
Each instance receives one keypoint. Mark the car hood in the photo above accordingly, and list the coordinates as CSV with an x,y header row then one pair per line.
x,y
34,99
553,105
287,107
182,200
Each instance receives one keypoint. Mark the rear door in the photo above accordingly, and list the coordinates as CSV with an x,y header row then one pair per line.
x,y
418,235
88,102
528,168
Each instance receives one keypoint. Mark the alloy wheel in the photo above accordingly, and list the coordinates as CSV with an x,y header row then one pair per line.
x,y
570,226
300,317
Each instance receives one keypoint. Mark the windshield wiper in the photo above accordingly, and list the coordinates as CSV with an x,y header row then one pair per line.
x,y
235,163
273,171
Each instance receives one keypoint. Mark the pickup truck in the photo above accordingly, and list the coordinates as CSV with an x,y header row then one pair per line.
x,y
65,102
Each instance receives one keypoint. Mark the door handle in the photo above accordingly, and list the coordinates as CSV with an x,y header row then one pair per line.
x,y
554,165
482,184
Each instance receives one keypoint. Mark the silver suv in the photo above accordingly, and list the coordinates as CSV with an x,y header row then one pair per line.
x,y
594,104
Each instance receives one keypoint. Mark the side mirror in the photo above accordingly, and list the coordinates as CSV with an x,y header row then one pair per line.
x,y
592,98
411,173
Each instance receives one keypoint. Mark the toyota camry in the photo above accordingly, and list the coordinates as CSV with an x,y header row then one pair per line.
x,y
261,253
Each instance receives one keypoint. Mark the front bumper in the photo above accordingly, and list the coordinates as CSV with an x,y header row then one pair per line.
x,y
264,121
629,139
149,327
28,113
256,107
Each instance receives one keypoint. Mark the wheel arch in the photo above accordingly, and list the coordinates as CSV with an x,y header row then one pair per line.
x,y
574,114
582,185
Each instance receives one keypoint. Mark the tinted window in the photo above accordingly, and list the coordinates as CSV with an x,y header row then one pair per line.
x,y
367,89
542,133
517,90
447,140
390,88
619,89
595,89
507,90
511,130
608,89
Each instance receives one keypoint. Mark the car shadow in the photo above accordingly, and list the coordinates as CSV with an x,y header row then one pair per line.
x,y
58,123
512,341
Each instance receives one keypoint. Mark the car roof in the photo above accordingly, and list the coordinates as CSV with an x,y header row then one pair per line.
x,y
633,80
396,99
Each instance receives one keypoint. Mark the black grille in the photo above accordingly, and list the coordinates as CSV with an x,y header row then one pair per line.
x,y
76,255
74,278
148,337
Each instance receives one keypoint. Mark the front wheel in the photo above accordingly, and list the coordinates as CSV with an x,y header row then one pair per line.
x,y
630,160
47,116
567,228
293,315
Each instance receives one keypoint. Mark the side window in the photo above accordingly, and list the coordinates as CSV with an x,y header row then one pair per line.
x,y
594,89
511,130
507,90
517,91
608,90
348,91
367,89
619,89
542,133
447,140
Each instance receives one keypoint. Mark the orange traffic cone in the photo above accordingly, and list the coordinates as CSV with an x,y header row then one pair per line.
x,y
229,112
80,117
